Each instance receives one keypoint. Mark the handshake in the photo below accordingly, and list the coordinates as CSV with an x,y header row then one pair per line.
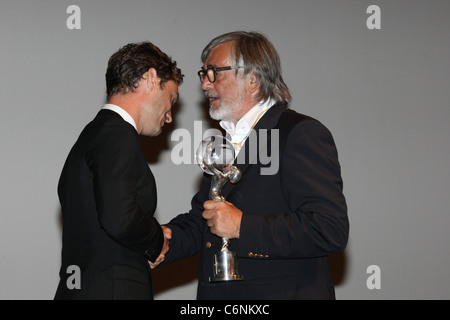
x,y
167,237
223,219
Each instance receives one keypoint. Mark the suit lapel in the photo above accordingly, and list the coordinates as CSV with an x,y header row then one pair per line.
x,y
249,153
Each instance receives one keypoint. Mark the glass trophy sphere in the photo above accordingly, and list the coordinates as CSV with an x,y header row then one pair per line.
x,y
215,151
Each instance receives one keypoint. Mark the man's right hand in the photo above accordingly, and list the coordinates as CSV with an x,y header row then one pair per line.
x,y
167,236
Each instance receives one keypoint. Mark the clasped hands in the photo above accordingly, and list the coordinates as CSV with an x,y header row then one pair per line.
x,y
223,219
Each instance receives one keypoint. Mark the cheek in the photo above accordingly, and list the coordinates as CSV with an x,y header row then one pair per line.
x,y
232,95
224,92
231,90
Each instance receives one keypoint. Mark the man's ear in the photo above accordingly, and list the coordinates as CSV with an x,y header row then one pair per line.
x,y
252,82
151,79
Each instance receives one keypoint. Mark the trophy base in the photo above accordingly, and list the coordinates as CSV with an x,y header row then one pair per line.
x,y
221,278
225,267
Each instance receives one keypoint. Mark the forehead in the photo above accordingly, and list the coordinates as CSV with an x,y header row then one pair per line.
x,y
219,56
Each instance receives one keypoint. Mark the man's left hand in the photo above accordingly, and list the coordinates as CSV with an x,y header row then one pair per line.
x,y
223,218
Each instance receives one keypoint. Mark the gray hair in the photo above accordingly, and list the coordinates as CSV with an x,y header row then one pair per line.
x,y
255,52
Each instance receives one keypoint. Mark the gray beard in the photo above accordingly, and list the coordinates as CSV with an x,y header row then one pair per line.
x,y
222,113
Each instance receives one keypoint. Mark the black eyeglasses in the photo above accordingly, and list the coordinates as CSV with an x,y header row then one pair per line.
x,y
211,72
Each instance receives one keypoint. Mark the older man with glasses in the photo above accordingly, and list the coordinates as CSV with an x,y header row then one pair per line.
x,y
282,226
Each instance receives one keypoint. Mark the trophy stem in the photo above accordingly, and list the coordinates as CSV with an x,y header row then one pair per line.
x,y
224,244
225,261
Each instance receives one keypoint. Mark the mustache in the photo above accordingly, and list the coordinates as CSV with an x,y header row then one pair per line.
x,y
208,94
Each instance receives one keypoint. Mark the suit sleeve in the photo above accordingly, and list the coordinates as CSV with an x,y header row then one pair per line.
x,y
188,228
310,177
115,166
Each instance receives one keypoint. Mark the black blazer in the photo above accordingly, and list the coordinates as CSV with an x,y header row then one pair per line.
x,y
292,220
108,198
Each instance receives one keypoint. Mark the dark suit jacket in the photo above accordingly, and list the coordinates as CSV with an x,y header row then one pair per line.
x,y
292,220
108,198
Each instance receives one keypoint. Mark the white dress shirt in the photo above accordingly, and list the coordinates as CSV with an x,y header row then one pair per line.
x,y
238,133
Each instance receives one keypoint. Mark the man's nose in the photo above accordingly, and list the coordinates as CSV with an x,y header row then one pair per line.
x,y
206,84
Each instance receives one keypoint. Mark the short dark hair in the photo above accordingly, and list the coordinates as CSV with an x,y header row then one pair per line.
x,y
126,67
254,52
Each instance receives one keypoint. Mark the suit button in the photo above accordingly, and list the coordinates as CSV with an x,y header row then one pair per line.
x,y
208,245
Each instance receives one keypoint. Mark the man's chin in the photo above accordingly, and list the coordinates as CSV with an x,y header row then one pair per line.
x,y
218,112
153,133
214,116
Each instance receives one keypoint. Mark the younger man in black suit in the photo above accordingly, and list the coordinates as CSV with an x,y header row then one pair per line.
x,y
107,190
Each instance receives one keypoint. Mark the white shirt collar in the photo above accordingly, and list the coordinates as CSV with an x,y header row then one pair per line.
x,y
125,115
239,132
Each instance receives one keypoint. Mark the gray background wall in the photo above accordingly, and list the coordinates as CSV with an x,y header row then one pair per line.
x,y
384,94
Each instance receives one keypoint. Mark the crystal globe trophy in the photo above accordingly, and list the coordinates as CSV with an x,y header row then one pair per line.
x,y
215,156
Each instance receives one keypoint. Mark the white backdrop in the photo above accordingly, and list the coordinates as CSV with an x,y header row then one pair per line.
x,y
383,93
